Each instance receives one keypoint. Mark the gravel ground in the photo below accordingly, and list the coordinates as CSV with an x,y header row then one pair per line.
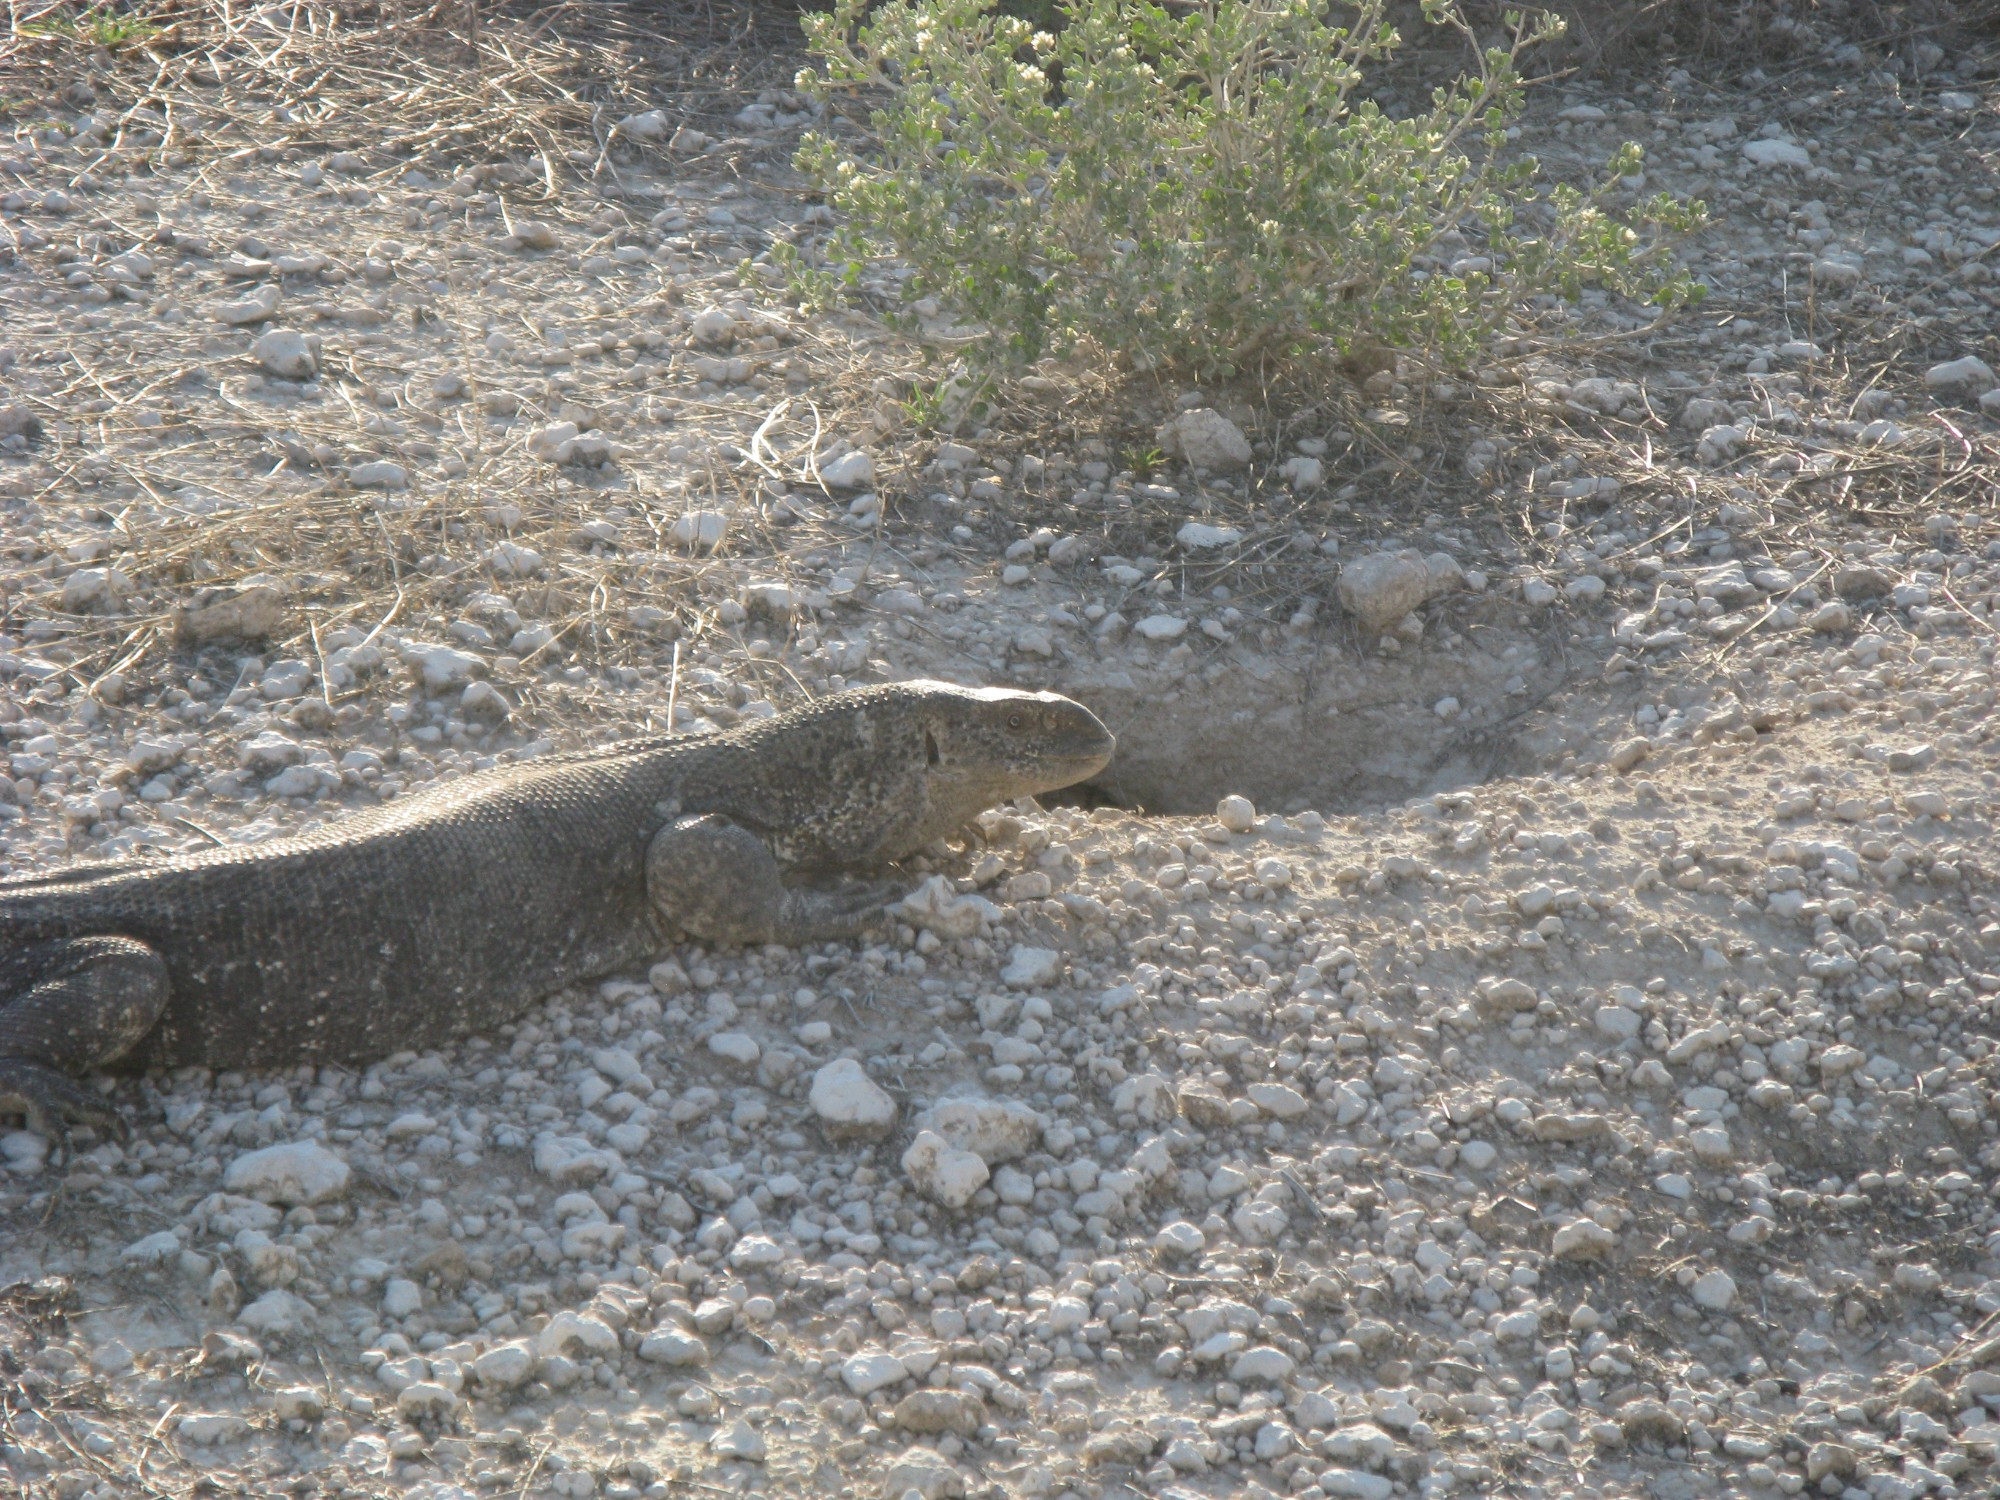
x,y
1537,1038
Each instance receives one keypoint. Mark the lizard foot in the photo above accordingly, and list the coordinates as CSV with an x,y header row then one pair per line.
x,y
51,1100
824,916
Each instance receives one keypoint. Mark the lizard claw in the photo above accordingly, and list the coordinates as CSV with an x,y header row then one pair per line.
x,y
51,1100
823,916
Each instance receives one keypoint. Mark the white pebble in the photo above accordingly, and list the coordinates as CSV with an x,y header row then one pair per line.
x,y
1714,1290
1236,813
849,1104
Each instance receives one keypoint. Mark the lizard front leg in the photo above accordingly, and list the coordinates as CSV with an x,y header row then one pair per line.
x,y
78,1004
715,881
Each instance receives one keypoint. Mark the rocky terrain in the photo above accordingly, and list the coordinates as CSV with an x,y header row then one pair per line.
x,y
1517,1018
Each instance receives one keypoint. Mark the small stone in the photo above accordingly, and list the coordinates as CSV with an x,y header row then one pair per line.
x,y
1839,274
1280,1101
401,1297
277,1313
926,1474
1618,1022
481,703
849,1104
1856,582
871,1370
852,470
247,611
1236,813
1582,1239
1650,1420
934,1411
1587,589
699,530
1180,1238
1197,536
1381,588
255,308
1262,1365
715,327
285,353
1629,753
735,1046
300,1172
504,1366
1830,1459
440,666
295,1403
555,443
938,906
426,1400
379,474
1831,618
529,234
1161,627
1355,1484
1714,1290
1031,968
1206,439
648,125
512,560
738,1440
153,1249
994,1130
1775,153
206,1427
95,590
943,1173
673,1346
1272,874
18,421
1969,373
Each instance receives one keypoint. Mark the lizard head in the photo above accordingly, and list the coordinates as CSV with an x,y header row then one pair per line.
x,y
985,745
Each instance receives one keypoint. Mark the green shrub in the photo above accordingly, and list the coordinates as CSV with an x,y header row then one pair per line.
x,y
1206,191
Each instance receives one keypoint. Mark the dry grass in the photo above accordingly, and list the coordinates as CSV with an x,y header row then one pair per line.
x,y
529,100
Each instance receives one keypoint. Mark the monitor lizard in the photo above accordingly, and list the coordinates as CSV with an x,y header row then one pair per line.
x,y
458,907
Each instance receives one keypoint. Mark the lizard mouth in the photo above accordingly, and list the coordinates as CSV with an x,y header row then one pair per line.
x,y
1081,760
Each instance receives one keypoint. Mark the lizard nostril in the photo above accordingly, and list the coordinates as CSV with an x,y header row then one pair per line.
x,y
931,754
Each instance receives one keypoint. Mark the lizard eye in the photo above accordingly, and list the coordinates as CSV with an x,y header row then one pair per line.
x,y
931,748
1013,721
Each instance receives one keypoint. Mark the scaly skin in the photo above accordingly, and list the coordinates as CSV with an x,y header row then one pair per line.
x,y
455,909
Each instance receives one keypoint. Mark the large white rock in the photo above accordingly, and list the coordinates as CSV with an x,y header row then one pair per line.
x,y
849,1104
942,1172
297,1172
